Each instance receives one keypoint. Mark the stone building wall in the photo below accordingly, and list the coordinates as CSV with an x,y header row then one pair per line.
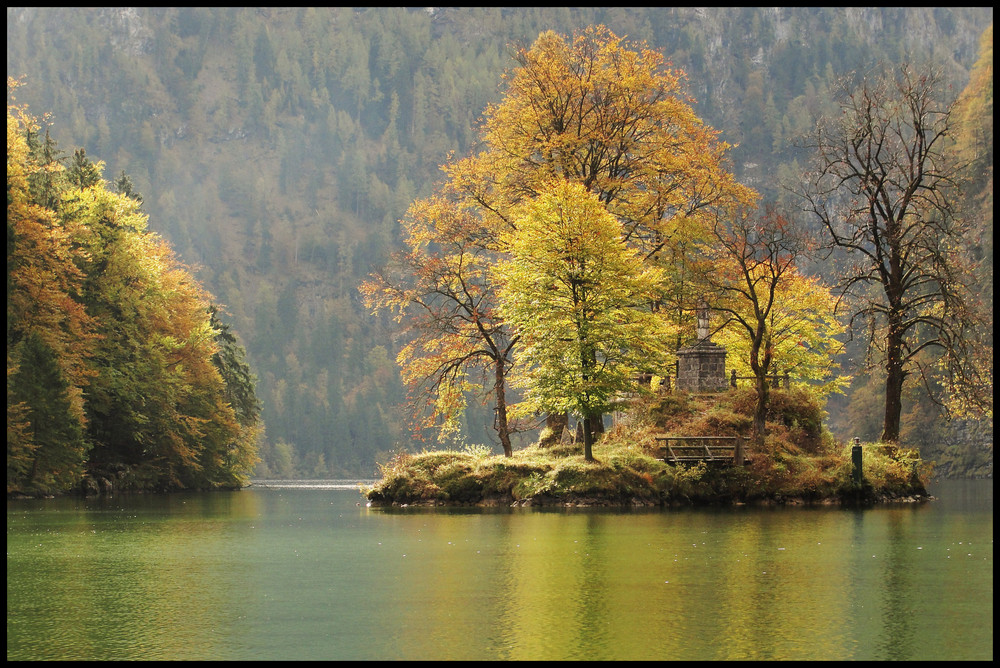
x,y
702,368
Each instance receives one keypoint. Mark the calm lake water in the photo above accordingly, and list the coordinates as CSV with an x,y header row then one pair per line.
x,y
308,572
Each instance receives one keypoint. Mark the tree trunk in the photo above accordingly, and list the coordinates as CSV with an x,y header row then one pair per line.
x,y
588,439
588,360
760,410
895,375
503,430
763,388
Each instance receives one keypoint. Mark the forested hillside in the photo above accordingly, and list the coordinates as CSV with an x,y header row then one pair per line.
x,y
120,374
277,149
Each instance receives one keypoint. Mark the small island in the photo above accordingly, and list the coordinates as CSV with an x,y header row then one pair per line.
x,y
561,268
800,463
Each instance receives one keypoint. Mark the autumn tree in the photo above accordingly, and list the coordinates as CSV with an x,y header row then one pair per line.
x,y
777,312
609,115
49,334
598,112
885,191
117,365
579,299
612,116
439,289
158,408
974,149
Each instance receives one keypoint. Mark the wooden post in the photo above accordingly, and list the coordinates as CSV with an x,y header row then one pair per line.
x,y
708,452
740,455
856,459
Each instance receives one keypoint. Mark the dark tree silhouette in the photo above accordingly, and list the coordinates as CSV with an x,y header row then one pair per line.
x,y
885,188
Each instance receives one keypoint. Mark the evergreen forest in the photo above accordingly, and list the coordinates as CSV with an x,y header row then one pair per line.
x,y
264,158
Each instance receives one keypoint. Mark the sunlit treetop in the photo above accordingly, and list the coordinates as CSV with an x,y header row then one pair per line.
x,y
611,116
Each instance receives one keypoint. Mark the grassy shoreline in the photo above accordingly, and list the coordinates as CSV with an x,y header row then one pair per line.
x,y
799,464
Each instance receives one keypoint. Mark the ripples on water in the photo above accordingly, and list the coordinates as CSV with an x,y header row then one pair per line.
x,y
303,570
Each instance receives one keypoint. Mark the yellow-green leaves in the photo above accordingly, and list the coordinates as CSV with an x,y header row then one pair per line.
x,y
806,336
594,166
579,299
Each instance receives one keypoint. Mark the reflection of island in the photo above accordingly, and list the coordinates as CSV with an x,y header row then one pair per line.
x,y
559,586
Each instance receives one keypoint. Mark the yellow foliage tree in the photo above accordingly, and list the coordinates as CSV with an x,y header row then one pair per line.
x,y
114,355
774,315
49,334
578,298
591,110
439,288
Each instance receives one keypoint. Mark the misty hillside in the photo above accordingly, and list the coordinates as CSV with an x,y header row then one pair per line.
x,y
276,149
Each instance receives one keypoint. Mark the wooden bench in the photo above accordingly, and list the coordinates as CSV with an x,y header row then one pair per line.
x,y
693,449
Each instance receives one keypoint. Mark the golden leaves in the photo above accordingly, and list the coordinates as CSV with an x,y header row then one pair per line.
x,y
592,127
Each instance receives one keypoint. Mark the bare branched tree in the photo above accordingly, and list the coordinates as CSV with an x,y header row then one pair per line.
x,y
885,187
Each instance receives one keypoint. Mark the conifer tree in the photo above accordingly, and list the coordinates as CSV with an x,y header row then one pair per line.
x,y
53,457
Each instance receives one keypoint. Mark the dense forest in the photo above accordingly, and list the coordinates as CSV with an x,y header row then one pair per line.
x,y
277,150
120,374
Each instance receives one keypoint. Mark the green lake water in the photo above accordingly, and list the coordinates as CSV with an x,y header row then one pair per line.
x,y
306,571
